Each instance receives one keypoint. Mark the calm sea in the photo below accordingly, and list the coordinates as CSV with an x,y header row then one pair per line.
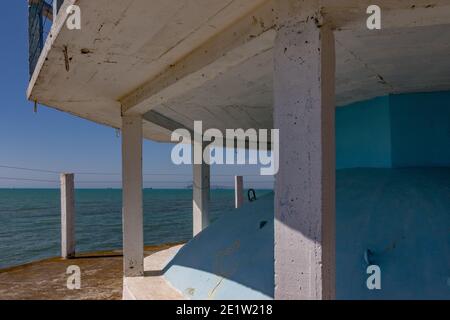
x,y
30,220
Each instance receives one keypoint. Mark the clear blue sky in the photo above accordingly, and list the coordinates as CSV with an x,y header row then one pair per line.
x,y
56,141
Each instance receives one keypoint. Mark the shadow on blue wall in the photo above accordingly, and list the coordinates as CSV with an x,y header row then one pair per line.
x,y
420,129
363,134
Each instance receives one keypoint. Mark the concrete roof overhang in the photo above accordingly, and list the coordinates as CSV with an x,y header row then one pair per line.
x,y
176,61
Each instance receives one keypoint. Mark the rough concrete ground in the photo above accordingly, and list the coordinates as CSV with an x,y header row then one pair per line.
x,y
101,278
153,286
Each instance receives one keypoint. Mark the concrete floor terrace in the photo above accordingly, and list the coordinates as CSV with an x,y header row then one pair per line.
x,y
46,279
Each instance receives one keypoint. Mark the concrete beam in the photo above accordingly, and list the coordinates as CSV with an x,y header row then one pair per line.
x,y
133,230
305,185
67,215
165,122
238,191
201,194
240,41
172,125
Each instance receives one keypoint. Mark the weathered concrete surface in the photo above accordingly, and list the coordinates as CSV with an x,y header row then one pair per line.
x,y
132,204
304,110
67,215
101,278
200,192
153,286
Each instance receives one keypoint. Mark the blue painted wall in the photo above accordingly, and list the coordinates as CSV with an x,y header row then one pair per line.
x,y
406,130
363,134
420,129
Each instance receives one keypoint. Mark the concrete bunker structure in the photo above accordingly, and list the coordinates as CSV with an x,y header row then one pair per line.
x,y
148,68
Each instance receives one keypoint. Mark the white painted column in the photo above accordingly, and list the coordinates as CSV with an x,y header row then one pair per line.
x,y
238,191
304,109
67,215
201,193
133,230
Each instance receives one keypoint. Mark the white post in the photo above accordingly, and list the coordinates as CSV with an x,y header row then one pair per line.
x,y
304,109
67,216
238,191
133,231
200,190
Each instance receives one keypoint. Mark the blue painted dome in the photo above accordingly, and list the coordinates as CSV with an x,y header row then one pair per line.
x,y
231,259
401,215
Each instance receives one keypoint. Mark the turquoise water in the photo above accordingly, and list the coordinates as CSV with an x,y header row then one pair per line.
x,y
30,220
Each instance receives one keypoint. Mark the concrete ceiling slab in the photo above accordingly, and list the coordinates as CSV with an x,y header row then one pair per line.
x,y
212,60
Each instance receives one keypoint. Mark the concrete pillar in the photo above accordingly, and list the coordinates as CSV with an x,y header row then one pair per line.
x,y
67,216
133,230
304,107
201,193
238,191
